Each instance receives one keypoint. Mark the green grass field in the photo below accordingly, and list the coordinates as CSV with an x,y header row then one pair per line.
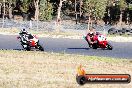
x,y
22,69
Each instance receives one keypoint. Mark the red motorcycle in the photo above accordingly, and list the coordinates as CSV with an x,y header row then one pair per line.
x,y
100,41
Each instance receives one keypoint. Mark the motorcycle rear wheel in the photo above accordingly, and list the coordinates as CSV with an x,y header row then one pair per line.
x,y
95,46
28,48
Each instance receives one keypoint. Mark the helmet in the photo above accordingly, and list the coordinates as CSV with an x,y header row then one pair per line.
x,y
24,31
91,34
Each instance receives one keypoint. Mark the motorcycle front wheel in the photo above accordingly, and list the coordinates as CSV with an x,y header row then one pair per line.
x,y
40,47
109,46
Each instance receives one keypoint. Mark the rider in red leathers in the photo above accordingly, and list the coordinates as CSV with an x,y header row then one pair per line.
x,y
90,38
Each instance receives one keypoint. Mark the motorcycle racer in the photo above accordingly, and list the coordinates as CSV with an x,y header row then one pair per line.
x,y
24,35
90,37
97,40
29,41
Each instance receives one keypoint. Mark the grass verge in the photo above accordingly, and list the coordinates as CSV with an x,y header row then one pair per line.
x,y
22,69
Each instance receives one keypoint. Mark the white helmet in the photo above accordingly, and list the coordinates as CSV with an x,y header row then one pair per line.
x,y
24,31
91,32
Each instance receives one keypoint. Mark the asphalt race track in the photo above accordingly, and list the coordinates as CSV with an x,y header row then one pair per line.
x,y
71,46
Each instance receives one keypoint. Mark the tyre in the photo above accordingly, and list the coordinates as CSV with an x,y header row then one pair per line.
x,y
109,46
112,31
128,30
40,48
120,32
95,46
28,48
81,80
123,30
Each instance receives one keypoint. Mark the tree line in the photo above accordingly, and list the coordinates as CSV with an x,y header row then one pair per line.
x,y
110,11
28,9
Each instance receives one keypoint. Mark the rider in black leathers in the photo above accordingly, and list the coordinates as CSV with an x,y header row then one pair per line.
x,y
24,36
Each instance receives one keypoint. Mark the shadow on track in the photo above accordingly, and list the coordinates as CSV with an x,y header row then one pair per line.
x,y
13,49
79,48
19,49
